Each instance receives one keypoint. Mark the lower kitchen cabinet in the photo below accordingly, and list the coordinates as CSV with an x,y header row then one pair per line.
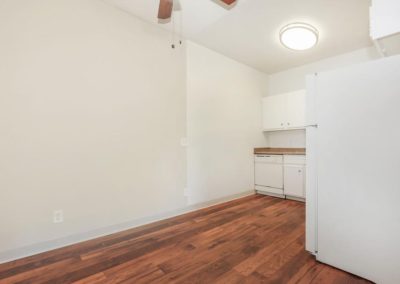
x,y
281,175
294,180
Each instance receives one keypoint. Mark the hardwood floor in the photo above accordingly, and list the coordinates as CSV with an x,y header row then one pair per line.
x,y
256,239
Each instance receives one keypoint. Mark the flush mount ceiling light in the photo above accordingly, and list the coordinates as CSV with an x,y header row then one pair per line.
x,y
299,36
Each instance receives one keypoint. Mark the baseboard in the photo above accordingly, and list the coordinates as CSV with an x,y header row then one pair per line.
x,y
14,254
296,198
271,194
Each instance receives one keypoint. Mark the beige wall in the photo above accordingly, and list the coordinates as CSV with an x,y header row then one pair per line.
x,y
224,124
92,110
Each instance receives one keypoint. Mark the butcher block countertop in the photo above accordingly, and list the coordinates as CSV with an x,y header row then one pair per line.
x,y
280,151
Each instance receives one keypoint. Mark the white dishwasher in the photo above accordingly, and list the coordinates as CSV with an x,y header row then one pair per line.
x,y
269,174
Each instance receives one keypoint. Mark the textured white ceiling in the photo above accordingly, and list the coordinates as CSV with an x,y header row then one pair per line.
x,y
249,32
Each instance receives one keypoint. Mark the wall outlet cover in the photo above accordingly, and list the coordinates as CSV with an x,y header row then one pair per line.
x,y
58,216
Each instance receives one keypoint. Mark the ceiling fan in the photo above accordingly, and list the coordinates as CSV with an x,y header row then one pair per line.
x,y
165,8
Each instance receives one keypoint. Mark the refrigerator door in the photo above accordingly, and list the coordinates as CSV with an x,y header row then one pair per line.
x,y
358,164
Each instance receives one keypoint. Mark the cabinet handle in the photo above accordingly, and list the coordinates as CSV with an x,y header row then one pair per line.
x,y
281,124
288,123
299,171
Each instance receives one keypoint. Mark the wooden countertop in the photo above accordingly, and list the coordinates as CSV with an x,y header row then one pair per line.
x,y
280,151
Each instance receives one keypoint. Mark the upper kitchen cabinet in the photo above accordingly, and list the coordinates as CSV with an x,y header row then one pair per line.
x,y
385,26
285,111
296,109
384,18
274,112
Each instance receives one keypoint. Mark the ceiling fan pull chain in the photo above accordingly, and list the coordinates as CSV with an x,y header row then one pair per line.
x,y
173,31
180,26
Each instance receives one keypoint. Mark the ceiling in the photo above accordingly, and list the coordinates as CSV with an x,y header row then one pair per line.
x,y
249,31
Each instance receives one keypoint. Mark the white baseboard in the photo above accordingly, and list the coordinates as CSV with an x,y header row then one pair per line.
x,y
30,250
271,194
296,198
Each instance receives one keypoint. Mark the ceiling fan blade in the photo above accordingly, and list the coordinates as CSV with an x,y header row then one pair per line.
x,y
165,9
228,2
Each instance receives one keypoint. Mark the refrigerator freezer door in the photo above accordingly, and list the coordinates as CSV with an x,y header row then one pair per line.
x,y
358,167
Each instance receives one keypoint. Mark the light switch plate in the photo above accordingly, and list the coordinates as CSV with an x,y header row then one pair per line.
x,y
184,142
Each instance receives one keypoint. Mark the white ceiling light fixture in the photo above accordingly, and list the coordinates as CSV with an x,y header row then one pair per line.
x,y
299,36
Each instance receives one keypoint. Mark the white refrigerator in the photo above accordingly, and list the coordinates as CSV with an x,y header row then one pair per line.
x,y
353,169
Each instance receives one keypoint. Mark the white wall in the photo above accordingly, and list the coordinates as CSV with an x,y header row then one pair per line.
x,y
224,124
294,79
287,139
92,110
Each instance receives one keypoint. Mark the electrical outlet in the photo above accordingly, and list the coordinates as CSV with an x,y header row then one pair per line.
x,y
58,216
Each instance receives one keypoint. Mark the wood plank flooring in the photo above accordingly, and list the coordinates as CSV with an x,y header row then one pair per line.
x,y
256,239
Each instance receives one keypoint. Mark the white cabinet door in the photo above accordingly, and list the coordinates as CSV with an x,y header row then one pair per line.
x,y
294,181
296,109
286,111
274,115
384,18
